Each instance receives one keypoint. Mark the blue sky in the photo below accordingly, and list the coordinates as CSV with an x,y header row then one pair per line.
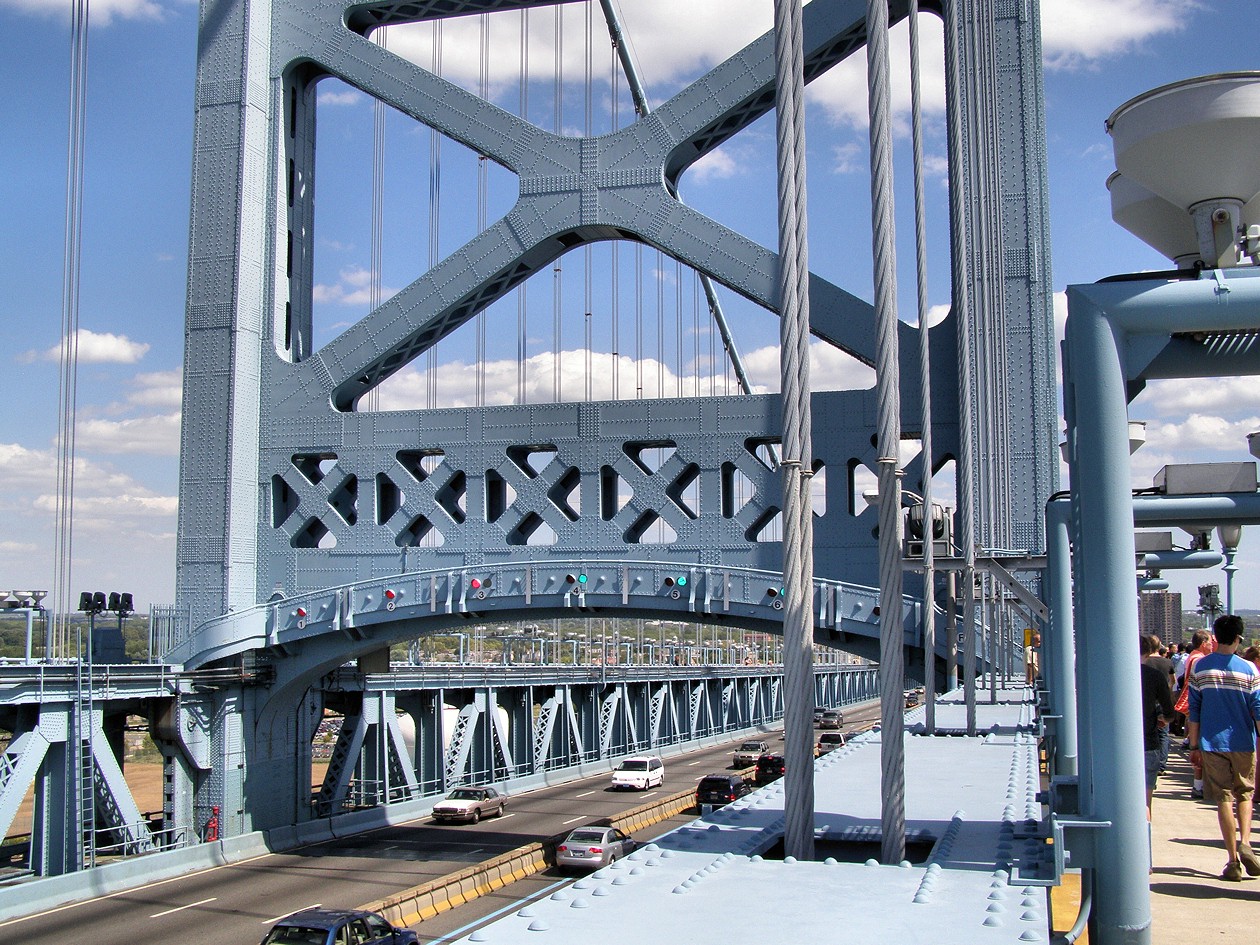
x,y
138,152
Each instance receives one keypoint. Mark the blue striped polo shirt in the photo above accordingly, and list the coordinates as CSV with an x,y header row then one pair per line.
x,y
1225,701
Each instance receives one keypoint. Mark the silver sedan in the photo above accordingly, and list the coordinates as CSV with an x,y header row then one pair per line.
x,y
593,847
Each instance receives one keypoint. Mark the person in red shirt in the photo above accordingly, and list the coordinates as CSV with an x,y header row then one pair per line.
x,y
1202,644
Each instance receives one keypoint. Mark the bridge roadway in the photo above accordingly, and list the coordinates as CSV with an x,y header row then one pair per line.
x,y
234,904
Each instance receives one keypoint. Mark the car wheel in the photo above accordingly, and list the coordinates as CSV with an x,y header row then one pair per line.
x,y
476,816
501,809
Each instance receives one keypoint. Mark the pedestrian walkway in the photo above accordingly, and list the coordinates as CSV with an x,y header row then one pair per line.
x,y
1190,903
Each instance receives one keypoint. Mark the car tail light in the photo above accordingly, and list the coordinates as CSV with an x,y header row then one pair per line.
x,y
562,849
595,850
731,796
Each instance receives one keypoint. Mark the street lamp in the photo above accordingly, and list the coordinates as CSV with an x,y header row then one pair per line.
x,y
1230,535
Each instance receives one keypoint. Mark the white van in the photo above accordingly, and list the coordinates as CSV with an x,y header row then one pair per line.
x,y
638,773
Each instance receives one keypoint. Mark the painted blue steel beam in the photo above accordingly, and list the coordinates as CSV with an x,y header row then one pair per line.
x,y
1114,332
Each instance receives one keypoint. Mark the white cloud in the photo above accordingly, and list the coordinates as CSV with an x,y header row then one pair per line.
x,y
332,92
716,165
157,389
144,436
353,287
1080,33
102,348
829,369
100,12
1183,396
849,158
1200,433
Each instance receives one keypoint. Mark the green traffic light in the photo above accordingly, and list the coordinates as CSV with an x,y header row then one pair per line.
x,y
682,580
581,578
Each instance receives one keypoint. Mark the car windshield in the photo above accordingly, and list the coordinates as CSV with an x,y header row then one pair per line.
x,y
750,746
586,836
632,766
464,795
295,935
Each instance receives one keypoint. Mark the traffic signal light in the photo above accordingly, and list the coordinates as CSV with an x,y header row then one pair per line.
x,y
676,580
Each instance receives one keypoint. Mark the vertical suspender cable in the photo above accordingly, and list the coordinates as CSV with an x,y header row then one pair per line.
x,y
483,200
68,390
435,210
522,306
373,399
557,268
587,129
797,464
888,433
925,379
678,319
642,108
615,85
961,279
638,319
659,278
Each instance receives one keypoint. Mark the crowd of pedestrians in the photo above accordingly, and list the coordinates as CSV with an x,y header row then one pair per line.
x,y
1217,711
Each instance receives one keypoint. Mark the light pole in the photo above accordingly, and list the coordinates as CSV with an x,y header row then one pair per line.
x,y
1230,536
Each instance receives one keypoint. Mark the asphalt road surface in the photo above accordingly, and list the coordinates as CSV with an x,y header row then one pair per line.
x,y
235,905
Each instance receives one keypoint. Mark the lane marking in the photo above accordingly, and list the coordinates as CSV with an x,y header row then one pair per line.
x,y
692,764
124,892
573,821
191,905
505,816
652,794
313,905
584,794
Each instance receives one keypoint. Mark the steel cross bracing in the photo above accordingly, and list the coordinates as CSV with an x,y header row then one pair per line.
x,y
278,457
304,464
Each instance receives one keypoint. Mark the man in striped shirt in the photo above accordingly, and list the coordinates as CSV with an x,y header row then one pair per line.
x,y
1224,720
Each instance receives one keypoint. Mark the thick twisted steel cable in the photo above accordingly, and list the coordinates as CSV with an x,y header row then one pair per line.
x,y
888,437
925,378
960,265
798,550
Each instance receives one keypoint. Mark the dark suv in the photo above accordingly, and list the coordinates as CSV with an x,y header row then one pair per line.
x,y
769,768
718,789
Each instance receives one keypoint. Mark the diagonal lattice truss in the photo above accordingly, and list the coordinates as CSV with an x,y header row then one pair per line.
x,y
347,494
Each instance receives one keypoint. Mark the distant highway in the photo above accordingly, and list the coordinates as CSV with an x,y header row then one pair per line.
x,y
236,904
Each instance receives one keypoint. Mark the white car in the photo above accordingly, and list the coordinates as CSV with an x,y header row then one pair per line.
x,y
638,773
469,804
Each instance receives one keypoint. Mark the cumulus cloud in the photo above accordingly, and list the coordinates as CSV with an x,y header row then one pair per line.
x,y
160,389
1202,433
1183,396
139,436
353,287
101,348
1079,33
100,12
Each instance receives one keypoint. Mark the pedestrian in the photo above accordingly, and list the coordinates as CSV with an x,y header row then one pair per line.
x,y
1032,664
1157,710
1152,648
1200,646
1224,720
